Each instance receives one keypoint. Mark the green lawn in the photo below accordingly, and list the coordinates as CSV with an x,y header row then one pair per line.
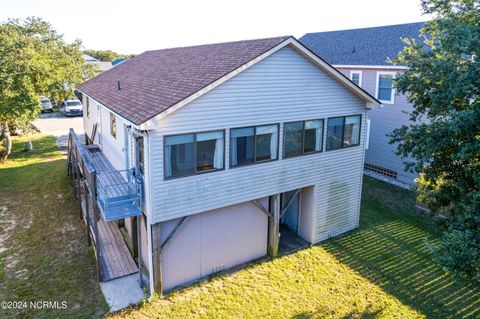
x,y
43,244
382,270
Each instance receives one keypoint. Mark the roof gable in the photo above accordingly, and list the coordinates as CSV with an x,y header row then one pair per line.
x,y
154,81
366,46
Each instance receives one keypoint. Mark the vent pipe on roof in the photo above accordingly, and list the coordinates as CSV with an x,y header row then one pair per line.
x,y
353,50
118,86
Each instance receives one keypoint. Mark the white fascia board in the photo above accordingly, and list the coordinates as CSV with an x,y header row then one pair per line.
x,y
381,67
151,124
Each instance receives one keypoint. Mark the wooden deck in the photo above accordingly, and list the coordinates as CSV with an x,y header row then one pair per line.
x,y
115,258
106,173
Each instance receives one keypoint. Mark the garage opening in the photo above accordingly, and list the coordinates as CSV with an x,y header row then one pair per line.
x,y
290,239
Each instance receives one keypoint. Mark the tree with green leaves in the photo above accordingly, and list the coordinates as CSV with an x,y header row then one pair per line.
x,y
34,60
443,83
106,55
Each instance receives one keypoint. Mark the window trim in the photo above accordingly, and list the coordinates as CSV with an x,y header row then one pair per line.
x,y
195,155
113,119
352,72
343,133
392,94
284,156
254,146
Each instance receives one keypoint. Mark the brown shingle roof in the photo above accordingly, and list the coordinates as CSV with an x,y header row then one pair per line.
x,y
156,80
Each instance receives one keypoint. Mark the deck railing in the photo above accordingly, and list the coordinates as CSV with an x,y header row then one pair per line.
x,y
103,191
119,197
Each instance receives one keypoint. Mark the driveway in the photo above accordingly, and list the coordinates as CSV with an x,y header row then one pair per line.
x,y
58,125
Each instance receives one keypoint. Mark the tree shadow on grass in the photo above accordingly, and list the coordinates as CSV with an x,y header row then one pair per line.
x,y
367,314
390,249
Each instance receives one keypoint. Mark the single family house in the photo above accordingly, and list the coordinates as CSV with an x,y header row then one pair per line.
x,y
363,56
211,156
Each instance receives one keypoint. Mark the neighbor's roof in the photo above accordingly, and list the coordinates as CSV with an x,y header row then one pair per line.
x,y
153,81
89,58
368,46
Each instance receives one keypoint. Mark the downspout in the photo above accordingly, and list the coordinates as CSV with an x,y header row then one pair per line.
x,y
148,200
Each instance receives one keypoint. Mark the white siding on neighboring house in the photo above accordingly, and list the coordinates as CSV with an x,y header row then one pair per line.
x,y
284,87
383,121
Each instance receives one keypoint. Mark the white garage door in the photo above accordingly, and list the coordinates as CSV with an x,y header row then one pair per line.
x,y
213,241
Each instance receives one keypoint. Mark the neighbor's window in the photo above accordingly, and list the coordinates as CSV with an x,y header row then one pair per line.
x,y
188,154
356,77
303,137
343,132
253,144
113,125
385,86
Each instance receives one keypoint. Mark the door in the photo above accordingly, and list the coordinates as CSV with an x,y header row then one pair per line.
x,y
140,164
291,216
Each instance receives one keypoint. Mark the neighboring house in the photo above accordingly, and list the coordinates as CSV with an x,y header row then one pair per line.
x,y
234,144
118,61
362,55
100,65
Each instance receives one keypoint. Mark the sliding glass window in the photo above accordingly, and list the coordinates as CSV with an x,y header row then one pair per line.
x,y
343,132
188,154
250,145
303,137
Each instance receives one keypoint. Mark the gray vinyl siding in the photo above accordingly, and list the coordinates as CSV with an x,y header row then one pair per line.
x,y
281,88
382,122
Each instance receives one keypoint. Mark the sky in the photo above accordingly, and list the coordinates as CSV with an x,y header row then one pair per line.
x,y
135,26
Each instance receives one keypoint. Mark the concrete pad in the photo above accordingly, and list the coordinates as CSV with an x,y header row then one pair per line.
x,y
122,292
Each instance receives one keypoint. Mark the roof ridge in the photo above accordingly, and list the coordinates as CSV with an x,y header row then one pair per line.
x,y
218,43
367,28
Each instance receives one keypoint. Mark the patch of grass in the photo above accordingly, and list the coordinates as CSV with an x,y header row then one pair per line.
x,y
384,269
43,248
391,250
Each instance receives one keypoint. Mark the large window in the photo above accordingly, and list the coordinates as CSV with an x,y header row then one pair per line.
x,y
188,154
253,144
343,132
385,87
302,137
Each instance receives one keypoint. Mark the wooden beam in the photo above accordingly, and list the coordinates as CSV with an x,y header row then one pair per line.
x,y
138,223
284,210
157,259
274,226
135,234
182,222
263,209
96,216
